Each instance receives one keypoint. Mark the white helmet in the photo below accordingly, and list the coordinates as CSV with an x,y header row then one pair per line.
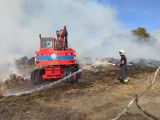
x,y
122,52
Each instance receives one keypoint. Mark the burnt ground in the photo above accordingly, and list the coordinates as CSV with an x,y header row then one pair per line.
x,y
98,95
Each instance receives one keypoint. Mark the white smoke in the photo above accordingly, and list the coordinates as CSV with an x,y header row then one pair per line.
x,y
94,29
133,46
156,34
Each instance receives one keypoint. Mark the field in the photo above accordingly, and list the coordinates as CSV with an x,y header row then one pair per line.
x,y
98,95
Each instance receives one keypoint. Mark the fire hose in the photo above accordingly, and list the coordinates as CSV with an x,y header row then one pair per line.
x,y
136,98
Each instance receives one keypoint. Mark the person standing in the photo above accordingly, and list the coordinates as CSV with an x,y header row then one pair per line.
x,y
123,66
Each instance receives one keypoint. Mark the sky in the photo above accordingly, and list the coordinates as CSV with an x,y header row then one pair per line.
x,y
97,28
136,13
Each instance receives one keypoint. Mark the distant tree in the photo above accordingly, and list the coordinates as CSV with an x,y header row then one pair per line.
x,y
141,32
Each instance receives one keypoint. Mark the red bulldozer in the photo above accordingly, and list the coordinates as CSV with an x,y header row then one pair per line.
x,y
55,59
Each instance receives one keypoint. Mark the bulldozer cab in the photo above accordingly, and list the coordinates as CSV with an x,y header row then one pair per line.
x,y
50,43
47,43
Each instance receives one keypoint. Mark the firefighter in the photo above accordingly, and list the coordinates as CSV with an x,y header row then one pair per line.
x,y
123,66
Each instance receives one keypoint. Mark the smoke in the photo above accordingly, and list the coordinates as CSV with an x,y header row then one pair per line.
x,y
156,34
135,47
94,29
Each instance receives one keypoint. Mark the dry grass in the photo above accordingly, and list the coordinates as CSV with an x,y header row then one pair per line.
x,y
98,96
